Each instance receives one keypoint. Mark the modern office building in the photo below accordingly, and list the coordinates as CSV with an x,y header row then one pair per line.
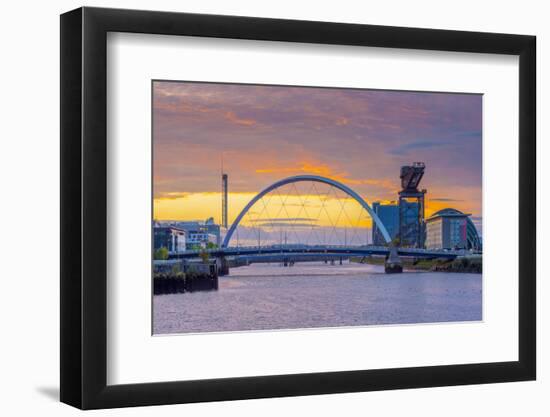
x,y
389,215
169,237
198,232
197,239
449,229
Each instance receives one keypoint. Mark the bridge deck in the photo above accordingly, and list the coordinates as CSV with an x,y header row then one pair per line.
x,y
334,250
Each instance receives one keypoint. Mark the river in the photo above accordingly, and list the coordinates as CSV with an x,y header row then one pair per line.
x,y
269,296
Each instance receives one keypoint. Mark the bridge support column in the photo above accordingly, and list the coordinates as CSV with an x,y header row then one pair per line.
x,y
223,266
393,262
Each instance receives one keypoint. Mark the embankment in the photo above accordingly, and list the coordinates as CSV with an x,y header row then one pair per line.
x,y
473,264
174,278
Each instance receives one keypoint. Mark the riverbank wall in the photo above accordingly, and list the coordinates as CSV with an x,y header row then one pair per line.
x,y
174,277
465,264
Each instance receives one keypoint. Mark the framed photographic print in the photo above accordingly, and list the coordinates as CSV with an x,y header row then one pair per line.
x,y
259,207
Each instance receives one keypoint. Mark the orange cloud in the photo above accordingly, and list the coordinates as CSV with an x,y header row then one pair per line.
x,y
307,168
172,195
325,171
391,185
233,118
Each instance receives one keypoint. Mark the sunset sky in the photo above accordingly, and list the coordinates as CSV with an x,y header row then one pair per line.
x,y
266,133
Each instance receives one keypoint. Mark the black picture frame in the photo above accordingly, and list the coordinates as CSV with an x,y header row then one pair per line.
x,y
84,207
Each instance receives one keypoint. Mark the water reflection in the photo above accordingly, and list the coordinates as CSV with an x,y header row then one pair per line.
x,y
264,296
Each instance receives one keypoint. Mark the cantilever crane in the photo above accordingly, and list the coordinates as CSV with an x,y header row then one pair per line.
x,y
411,176
411,206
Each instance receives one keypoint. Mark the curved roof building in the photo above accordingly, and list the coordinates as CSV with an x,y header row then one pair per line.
x,y
472,237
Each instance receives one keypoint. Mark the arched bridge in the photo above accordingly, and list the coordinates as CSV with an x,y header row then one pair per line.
x,y
304,251
307,178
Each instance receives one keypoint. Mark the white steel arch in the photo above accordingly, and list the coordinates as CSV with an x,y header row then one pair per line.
x,y
302,178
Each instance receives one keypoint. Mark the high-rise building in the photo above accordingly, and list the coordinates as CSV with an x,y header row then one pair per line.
x,y
389,215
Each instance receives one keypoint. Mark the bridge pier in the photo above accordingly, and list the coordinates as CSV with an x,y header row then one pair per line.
x,y
393,262
223,267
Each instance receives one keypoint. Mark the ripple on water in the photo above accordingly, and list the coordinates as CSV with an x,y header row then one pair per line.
x,y
268,296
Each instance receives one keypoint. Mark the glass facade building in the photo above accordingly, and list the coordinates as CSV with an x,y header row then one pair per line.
x,y
389,215
450,228
447,231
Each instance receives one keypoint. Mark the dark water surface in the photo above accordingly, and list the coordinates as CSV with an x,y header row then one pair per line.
x,y
268,296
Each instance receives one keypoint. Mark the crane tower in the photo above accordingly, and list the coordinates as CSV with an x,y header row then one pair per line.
x,y
411,206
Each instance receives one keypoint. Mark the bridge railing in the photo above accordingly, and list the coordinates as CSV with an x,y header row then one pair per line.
x,y
298,248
